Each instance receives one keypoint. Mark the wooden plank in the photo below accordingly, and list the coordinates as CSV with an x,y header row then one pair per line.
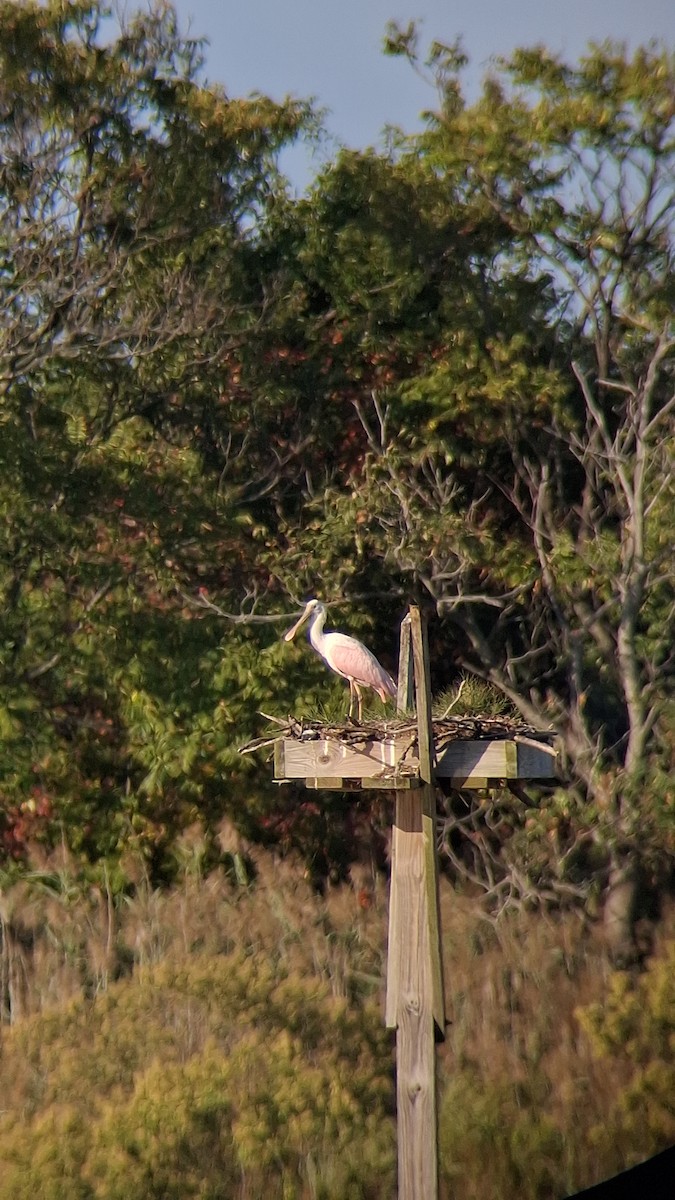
x,y
473,783
503,759
337,784
536,761
336,760
409,1006
414,1001
433,908
394,940
416,1107
511,760
489,759
406,681
427,752
404,703
389,783
425,731
464,760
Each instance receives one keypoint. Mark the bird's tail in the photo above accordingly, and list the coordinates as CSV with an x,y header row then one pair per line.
x,y
389,685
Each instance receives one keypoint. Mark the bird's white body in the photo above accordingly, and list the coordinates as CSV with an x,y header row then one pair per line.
x,y
345,655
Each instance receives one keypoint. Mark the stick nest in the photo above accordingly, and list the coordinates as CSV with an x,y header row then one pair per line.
x,y
352,733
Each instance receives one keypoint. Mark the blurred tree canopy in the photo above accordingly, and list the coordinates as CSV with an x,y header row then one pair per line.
x,y
131,202
445,372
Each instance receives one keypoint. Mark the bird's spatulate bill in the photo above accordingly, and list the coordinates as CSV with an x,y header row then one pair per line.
x,y
290,633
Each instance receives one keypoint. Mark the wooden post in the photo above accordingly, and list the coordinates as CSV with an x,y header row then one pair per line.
x,y
415,1004
406,681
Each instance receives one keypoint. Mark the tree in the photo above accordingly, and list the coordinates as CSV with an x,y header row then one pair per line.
x,y
520,472
131,197
445,372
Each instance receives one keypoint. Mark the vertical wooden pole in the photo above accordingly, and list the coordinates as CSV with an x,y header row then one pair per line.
x,y
415,1005
405,694
425,740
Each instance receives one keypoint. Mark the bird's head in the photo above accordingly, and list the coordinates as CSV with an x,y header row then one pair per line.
x,y
312,608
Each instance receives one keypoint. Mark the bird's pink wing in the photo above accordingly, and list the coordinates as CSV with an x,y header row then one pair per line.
x,y
351,658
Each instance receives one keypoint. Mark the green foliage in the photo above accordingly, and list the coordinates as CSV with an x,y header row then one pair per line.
x,y
560,1101
233,1057
503,1128
472,697
445,373
515,465
130,203
636,1026
195,1076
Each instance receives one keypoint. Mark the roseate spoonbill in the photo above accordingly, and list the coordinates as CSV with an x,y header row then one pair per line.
x,y
345,655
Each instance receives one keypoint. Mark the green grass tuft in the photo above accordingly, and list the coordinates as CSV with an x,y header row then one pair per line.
x,y
472,697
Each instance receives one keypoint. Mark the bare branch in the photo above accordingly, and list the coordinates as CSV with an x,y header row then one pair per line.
x,y
250,617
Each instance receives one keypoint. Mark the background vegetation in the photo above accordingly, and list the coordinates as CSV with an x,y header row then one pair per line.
x,y
213,1040
444,374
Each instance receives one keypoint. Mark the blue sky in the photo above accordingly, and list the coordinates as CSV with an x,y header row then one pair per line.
x,y
331,50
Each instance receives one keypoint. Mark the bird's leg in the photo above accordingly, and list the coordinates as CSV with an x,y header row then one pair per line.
x,y
357,689
351,699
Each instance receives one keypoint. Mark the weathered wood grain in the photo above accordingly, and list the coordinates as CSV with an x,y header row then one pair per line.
x,y
406,682
410,1003
427,753
414,1000
459,761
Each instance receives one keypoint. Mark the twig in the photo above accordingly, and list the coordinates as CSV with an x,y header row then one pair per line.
x,y
456,699
241,618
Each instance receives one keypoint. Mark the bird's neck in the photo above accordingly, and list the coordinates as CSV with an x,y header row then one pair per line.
x,y
315,631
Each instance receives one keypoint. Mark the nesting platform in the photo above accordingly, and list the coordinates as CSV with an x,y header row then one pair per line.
x,y
470,752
